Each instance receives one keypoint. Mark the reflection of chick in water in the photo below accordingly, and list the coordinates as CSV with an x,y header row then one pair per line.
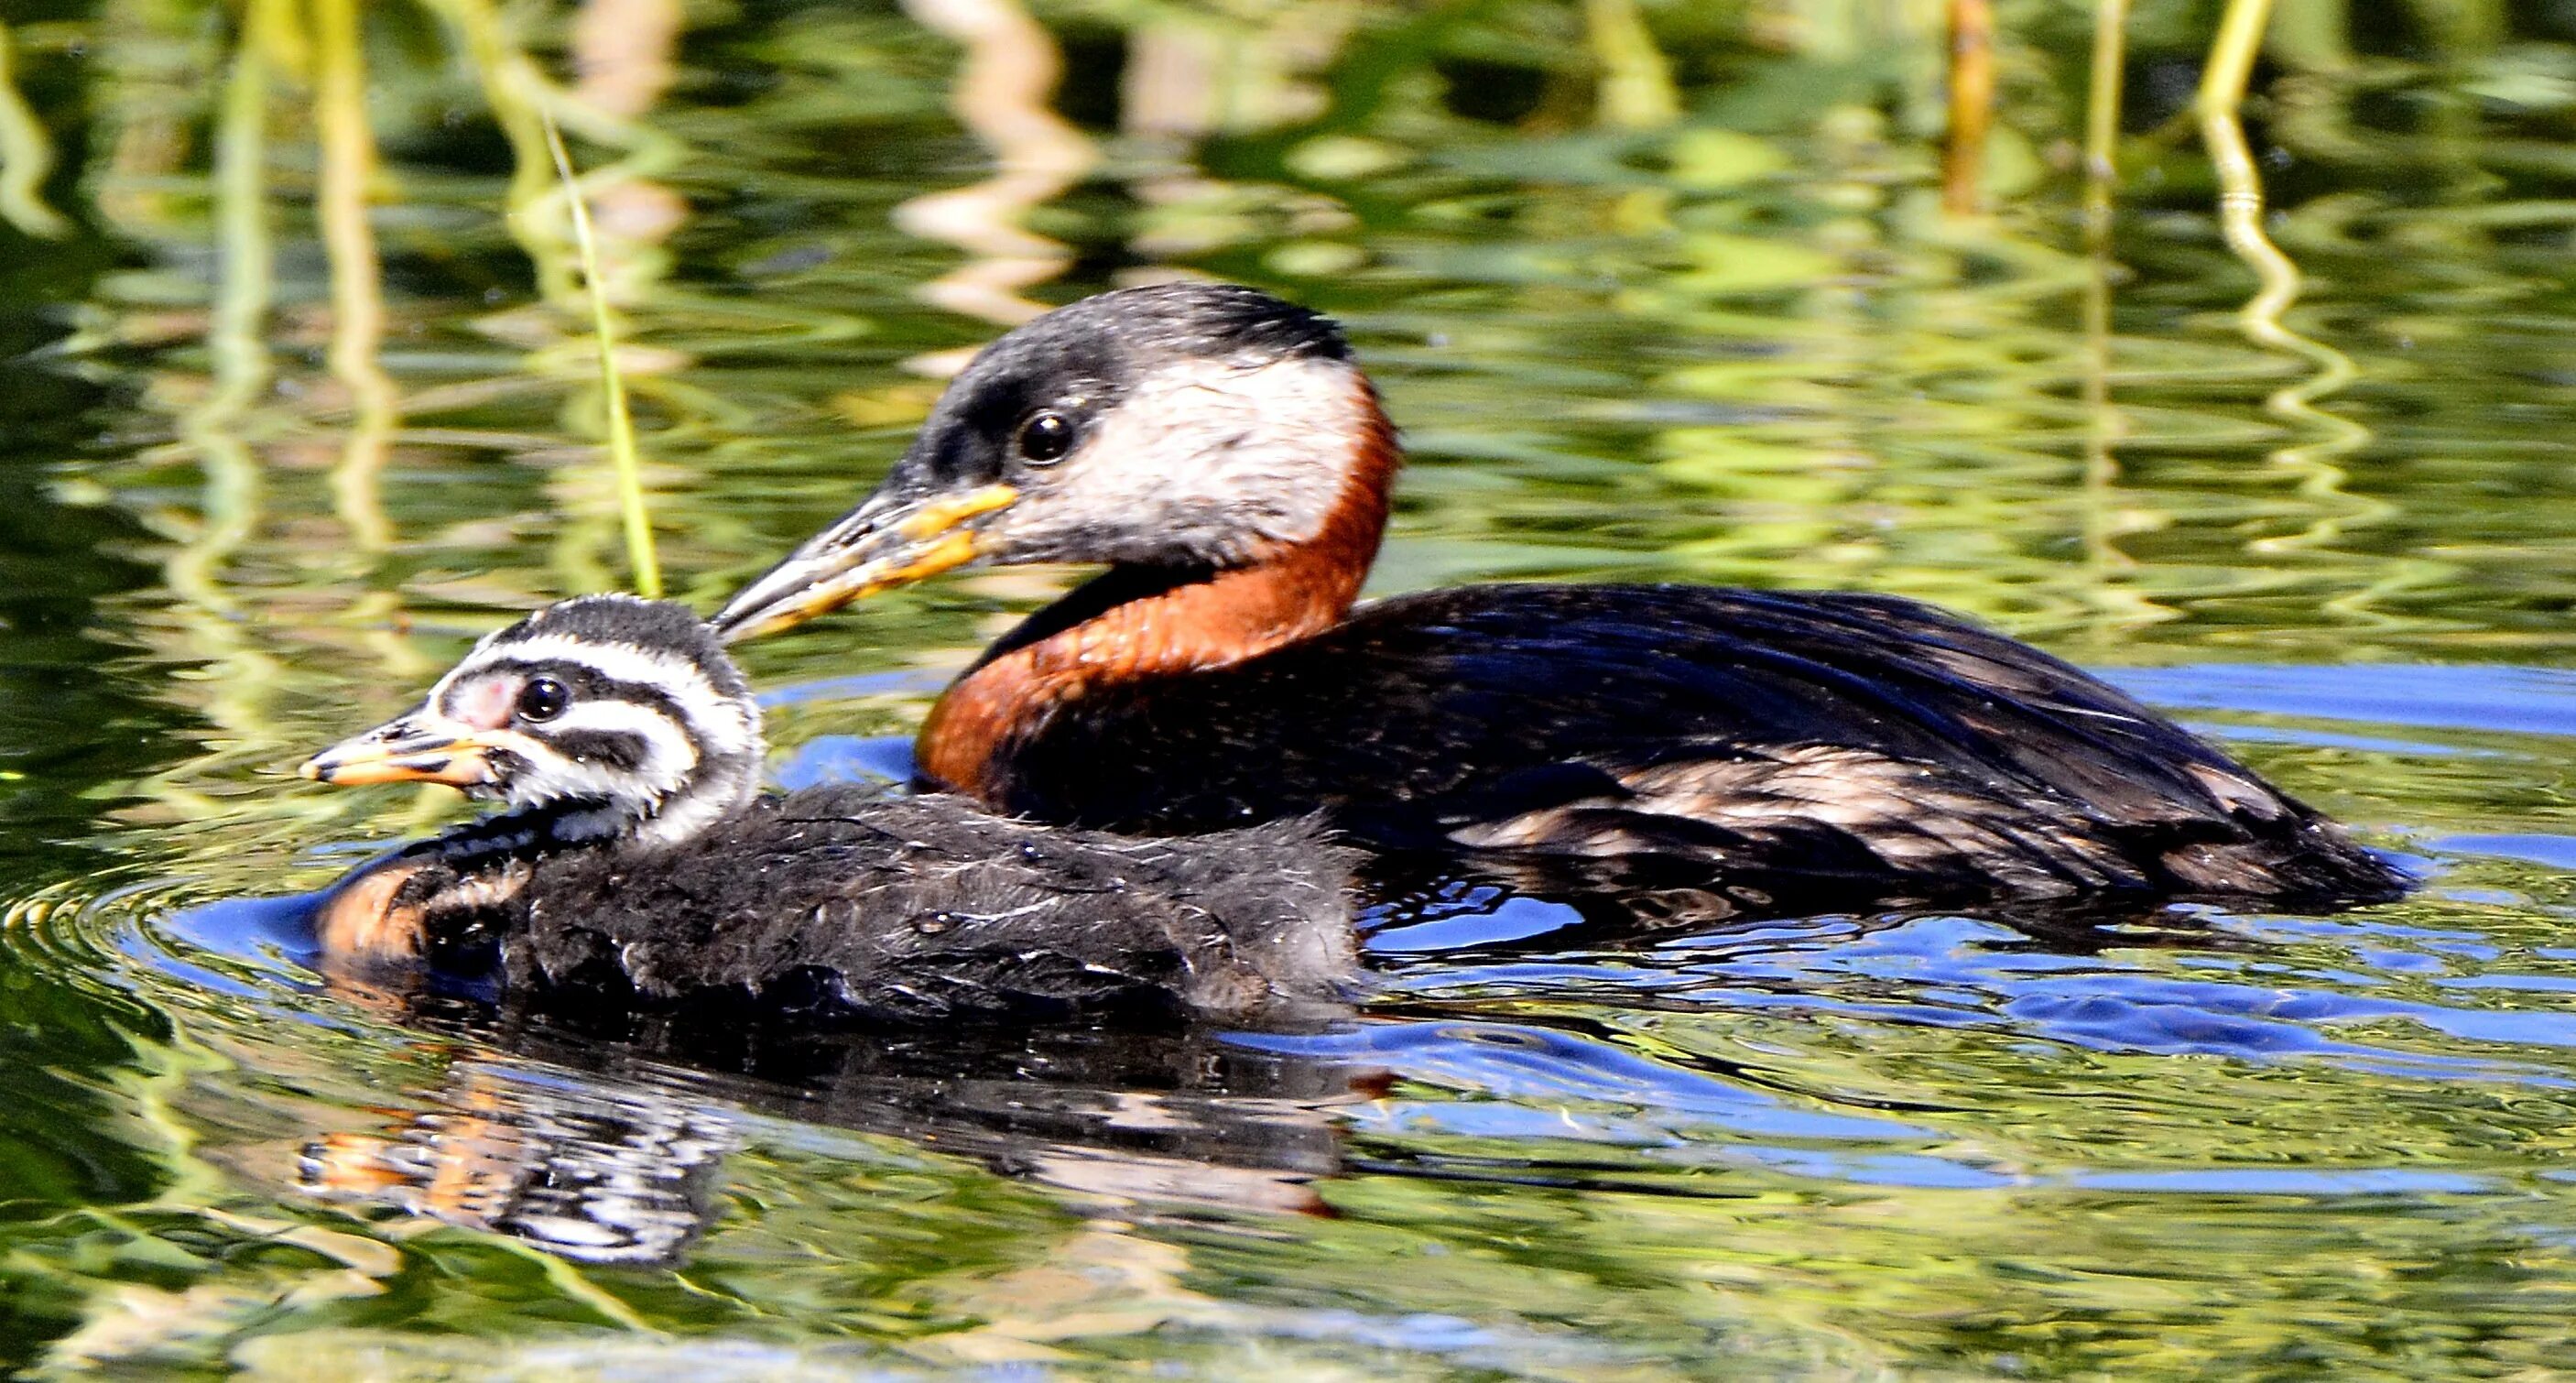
x,y
584,1173
629,1167
642,863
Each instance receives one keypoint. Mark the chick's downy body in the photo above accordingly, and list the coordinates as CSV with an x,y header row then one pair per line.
x,y
641,867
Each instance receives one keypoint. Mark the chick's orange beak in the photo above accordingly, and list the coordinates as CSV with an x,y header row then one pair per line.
x,y
884,543
418,748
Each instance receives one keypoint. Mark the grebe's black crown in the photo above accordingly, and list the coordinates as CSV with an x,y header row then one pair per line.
x,y
1205,321
1087,357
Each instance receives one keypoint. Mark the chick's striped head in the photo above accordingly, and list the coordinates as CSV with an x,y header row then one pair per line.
x,y
614,715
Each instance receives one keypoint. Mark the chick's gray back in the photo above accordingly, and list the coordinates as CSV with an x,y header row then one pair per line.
x,y
925,907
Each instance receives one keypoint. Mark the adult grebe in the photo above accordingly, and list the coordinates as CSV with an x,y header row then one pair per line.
x,y
642,866
1222,454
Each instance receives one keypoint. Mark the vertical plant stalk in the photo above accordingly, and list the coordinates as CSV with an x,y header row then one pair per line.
x,y
2101,179
515,91
2240,221
2240,185
623,453
1637,90
348,150
1972,106
26,158
240,677
2102,121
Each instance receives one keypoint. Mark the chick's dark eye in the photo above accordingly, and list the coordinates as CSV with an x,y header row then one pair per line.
x,y
543,698
1045,438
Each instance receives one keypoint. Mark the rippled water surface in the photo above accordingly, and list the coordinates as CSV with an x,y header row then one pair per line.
x,y
297,399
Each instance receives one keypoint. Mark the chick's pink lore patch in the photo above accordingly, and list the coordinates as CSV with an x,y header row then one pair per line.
x,y
484,703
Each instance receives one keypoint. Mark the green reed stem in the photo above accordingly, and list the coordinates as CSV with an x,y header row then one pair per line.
x,y
348,165
2102,120
1972,106
26,157
1637,91
2240,221
622,451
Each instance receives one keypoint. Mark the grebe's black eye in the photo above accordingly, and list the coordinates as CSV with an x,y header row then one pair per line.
x,y
543,698
1045,438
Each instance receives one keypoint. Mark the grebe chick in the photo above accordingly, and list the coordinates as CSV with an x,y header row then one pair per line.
x,y
1221,453
641,863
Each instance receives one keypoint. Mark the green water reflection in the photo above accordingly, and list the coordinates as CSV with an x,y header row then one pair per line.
x,y
297,399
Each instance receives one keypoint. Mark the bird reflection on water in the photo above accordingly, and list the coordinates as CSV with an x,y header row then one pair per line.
x,y
607,1140
615,1153
570,1120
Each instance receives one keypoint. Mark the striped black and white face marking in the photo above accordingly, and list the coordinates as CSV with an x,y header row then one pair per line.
x,y
616,714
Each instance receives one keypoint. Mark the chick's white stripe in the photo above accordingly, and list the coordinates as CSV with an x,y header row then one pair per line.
x,y
668,744
619,662
728,725
670,755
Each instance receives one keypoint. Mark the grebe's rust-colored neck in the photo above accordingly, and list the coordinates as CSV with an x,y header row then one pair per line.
x,y
1132,624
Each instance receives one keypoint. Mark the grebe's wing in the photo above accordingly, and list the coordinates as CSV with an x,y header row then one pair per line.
x,y
1846,734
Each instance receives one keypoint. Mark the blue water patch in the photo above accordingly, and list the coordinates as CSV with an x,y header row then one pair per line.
x,y
1504,1350
2556,851
2328,739
135,947
847,759
248,928
1511,919
901,682
1545,1086
2525,984
2270,1181
1546,1068
1961,973
2519,700
1930,1173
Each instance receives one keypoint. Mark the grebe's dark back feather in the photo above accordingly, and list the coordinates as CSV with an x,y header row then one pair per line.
x,y
1818,734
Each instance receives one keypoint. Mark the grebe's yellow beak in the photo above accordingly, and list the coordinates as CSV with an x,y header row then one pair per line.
x,y
887,542
421,747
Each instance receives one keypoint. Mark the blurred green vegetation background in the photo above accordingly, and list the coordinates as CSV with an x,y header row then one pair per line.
x,y
1933,297
2164,333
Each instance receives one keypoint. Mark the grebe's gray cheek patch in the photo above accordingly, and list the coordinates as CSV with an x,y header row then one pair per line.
x,y
1207,459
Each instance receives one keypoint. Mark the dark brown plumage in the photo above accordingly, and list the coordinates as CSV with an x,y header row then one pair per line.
x,y
845,903
621,880
1220,452
1814,743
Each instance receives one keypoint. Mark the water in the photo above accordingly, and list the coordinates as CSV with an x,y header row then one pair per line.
x,y
1741,344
